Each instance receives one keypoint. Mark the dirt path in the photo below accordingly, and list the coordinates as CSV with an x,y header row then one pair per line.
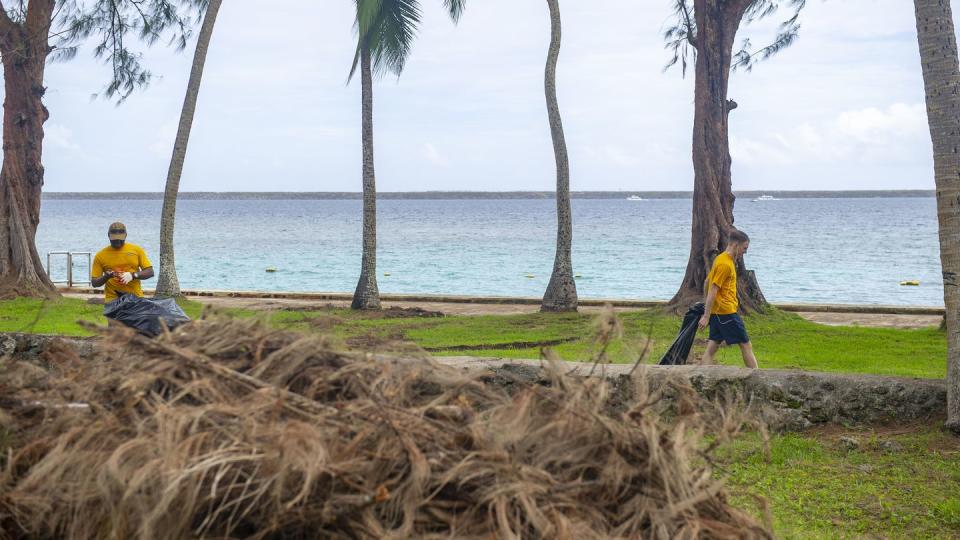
x,y
880,320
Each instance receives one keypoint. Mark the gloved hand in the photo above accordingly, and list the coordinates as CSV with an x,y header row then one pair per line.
x,y
125,277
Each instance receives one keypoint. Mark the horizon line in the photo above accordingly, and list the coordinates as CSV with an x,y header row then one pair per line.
x,y
516,194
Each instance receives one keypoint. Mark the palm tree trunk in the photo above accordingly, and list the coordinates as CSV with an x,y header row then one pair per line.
x,y
367,296
941,80
561,293
24,48
167,282
717,23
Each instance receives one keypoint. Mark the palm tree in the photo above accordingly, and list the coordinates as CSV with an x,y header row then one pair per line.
x,y
385,32
367,295
706,30
561,293
167,282
941,81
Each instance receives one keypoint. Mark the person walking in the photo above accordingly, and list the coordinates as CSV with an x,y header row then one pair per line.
x,y
120,267
721,304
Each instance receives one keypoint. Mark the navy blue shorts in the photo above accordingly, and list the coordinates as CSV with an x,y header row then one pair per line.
x,y
728,328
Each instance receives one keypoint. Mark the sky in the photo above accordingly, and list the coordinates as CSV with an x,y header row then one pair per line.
x,y
841,109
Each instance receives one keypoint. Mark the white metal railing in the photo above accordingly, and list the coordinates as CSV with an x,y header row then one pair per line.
x,y
70,255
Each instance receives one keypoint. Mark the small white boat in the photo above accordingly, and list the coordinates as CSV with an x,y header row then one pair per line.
x,y
634,198
765,198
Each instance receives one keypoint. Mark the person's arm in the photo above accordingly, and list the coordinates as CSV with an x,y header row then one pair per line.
x,y
708,305
101,280
99,276
145,273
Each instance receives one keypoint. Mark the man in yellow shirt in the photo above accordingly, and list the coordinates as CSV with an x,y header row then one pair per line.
x,y
720,307
120,266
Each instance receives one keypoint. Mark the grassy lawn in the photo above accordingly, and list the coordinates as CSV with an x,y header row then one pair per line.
x,y
61,316
816,488
781,340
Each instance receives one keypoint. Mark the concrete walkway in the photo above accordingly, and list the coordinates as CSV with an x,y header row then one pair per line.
x,y
879,320
839,315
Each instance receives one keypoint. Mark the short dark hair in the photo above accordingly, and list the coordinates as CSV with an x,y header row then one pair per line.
x,y
736,236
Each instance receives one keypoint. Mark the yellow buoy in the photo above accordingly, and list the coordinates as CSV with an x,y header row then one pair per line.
x,y
386,273
910,283
530,276
577,275
271,269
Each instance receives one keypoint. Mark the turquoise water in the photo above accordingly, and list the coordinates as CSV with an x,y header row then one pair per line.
x,y
853,251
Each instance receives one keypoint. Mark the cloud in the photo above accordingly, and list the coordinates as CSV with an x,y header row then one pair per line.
x,y
431,154
873,126
753,152
165,137
613,155
471,99
871,135
59,136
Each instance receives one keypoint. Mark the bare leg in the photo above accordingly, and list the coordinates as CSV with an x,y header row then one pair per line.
x,y
712,347
749,359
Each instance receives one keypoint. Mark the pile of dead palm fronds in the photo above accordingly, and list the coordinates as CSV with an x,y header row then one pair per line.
x,y
229,429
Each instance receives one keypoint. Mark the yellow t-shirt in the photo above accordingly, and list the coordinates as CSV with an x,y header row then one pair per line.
x,y
724,275
129,258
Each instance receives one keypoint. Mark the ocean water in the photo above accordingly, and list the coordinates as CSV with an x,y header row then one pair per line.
x,y
850,251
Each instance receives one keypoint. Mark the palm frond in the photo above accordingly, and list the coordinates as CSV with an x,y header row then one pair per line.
x,y
388,28
455,8
393,38
368,12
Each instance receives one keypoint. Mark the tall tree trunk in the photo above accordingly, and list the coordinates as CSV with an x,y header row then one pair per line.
x,y
167,282
561,293
717,22
941,80
367,296
24,50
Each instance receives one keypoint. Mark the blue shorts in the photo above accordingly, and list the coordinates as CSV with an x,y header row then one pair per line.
x,y
728,328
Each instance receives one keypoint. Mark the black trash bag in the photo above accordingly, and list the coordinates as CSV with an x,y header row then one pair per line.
x,y
677,353
146,315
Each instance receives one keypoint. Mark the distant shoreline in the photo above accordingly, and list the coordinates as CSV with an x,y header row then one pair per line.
x,y
477,195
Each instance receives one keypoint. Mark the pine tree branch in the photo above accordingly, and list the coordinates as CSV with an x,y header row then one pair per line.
x,y
740,6
6,23
691,33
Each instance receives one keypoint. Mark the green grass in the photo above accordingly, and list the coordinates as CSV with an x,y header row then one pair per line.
x,y
60,316
818,489
781,340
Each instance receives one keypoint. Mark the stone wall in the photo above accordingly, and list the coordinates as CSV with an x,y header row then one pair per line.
x,y
785,399
32,345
